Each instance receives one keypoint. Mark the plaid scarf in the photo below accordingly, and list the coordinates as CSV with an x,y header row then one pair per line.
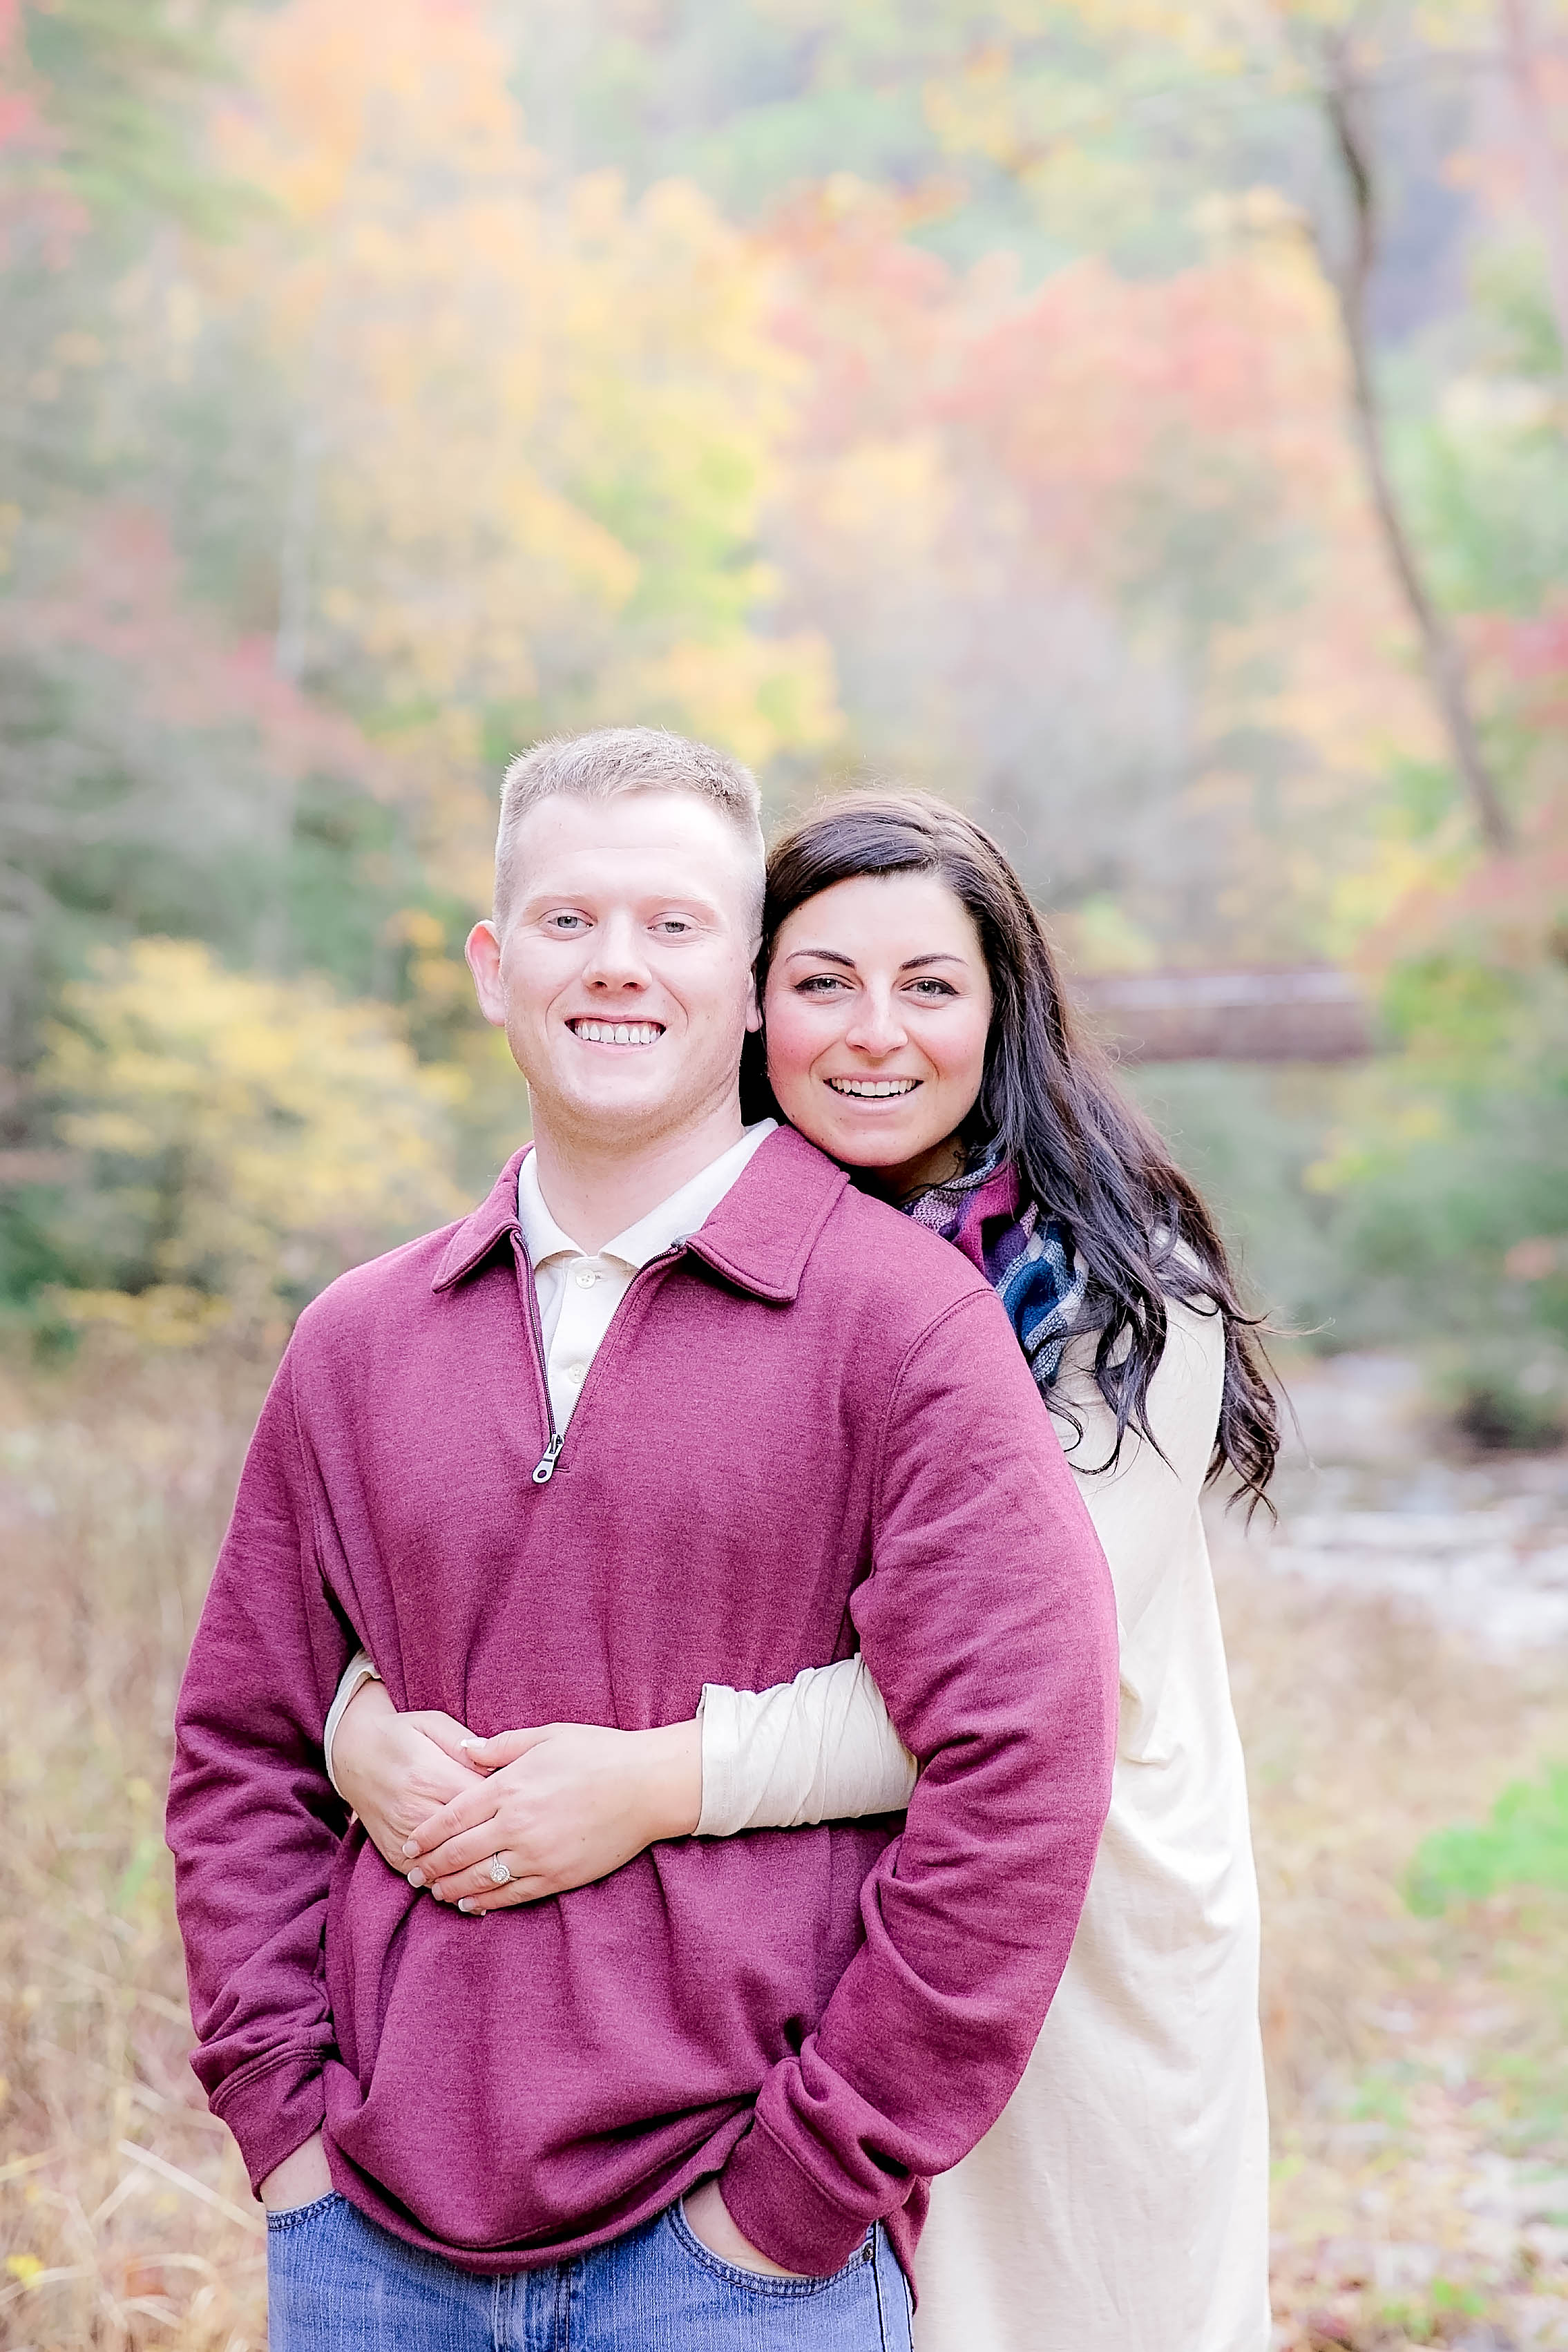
x,y
1025,1255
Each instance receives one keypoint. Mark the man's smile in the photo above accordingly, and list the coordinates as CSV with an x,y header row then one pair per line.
x,y
616,1032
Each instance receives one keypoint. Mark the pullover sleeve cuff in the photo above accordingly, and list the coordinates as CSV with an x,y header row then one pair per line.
x,y
783,2213
272,2107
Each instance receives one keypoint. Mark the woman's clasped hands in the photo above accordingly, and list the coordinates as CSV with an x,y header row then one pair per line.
x,y
490,1823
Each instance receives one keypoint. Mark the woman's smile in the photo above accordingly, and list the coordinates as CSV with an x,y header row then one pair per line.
x,y
872,1089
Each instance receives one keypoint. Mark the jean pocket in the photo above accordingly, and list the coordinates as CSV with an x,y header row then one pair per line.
x,y
295,2217
789,2288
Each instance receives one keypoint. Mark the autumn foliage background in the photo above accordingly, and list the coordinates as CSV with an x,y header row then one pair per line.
x,y
970,395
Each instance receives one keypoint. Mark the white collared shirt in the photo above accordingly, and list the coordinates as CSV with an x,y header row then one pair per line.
x,y
579,1290
578,1294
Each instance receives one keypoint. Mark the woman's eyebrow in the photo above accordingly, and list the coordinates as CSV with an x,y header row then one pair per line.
x,y
910,963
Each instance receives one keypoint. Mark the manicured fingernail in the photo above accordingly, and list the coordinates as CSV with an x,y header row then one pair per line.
x,y
470,1743
416,1878
411,1847
464,1902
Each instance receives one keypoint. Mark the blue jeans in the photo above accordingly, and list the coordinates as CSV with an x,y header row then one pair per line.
x,y
336,2283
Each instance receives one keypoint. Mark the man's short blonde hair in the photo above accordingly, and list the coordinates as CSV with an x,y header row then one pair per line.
x,y
610,760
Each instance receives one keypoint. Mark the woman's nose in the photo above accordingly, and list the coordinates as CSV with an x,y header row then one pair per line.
x,y
876,1027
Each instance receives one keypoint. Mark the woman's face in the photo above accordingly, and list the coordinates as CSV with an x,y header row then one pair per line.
x,y
876,1012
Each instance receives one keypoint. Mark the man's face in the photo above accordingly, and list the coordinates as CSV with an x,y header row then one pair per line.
x,y
623,978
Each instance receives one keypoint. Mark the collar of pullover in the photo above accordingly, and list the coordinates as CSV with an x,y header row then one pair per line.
x,y
758,1237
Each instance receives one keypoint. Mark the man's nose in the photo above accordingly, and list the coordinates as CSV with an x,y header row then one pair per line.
x,y
875,1028
616,960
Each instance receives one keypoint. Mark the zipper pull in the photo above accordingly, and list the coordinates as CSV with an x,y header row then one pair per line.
x,y
546,1468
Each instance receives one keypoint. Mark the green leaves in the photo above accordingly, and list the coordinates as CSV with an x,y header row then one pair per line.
x,y
1523,1844
117,83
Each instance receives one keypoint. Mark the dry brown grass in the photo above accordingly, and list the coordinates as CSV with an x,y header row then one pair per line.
x,y
1418,2079
115,1481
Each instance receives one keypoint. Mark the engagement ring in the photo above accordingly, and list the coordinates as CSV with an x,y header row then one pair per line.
x,y
500,1874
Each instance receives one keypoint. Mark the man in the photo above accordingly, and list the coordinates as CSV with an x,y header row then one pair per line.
x,y
806,1420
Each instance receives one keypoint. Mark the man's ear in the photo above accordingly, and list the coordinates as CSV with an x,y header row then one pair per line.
x,y
482,948
753,1009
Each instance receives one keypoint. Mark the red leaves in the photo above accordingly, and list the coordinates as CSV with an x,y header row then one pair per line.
x,y
123,602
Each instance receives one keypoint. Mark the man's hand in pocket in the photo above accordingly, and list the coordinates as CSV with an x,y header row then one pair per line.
x,y
299,2179
708,2218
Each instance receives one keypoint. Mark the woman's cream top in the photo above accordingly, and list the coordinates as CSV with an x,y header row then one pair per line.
x,y
1120,2202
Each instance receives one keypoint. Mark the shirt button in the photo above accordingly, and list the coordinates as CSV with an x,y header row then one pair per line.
x,y
576,1374
587,1279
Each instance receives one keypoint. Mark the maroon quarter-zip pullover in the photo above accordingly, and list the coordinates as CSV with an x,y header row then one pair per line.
x,y
810,1425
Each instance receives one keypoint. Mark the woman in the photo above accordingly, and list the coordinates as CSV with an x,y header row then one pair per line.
x,y
915,1030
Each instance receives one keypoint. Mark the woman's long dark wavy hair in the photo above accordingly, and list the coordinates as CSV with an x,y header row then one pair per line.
x,y
1081,1149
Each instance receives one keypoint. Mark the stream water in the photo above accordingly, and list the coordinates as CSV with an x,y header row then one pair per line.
x,y
1369,1504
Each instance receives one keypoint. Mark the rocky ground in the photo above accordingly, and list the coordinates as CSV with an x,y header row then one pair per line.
x,y
1371,1503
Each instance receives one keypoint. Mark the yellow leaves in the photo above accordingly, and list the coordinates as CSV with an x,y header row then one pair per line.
x,y
897,495
1102,936
114,1131
1386,1127
547,418
167,1315
1397,869
253,1135
756,696
976,112
348,88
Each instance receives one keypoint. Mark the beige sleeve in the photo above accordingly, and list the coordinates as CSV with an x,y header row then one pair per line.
x,y
823,1747
819,1748
359,1670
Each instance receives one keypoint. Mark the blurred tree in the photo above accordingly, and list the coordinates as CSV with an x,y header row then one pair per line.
x,y
532,427
1126,128
1096,557
244,1139
102,802
477,456
1544,174
1330,58
1443,1174
950,389
1344,99
143,756
100,103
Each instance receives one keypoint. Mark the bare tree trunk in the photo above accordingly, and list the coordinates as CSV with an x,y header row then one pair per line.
x,y
291,646
1351,277
1542,164
290,652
